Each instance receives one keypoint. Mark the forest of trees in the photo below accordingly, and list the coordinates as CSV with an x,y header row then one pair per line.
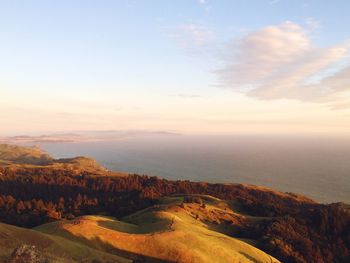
x,y
296,230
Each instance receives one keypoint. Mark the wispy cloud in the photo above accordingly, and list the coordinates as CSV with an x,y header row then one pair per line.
x,y
281,62
188,35
272,2
312,24
340,106
205,4
189,96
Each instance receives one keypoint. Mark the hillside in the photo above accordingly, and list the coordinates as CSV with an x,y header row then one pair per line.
x,y
23,155
173,232
77,204
17,157
177,230
50,248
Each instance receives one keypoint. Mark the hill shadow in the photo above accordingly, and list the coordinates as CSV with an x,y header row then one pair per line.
x,y
101,245
135,257
155,225
249,257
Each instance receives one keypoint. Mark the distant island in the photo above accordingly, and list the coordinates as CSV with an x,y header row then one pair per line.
x,y
82,136
74,210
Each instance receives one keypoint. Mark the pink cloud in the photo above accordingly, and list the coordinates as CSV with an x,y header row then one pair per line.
x,y
278,61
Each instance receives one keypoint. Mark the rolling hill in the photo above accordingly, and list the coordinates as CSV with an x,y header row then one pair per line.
x,y
173,231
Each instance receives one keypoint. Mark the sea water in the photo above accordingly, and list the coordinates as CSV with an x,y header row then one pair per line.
x,y
318,167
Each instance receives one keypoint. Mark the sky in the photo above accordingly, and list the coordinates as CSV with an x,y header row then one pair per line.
x,y
187,66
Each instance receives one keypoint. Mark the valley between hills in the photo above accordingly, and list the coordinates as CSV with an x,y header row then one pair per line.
x,y
74,210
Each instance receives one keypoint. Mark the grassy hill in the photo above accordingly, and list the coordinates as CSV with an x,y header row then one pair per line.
x,y
33,157
23,155
51,248
179,229
170,232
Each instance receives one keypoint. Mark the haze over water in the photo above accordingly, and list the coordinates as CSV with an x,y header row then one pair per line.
x,y
316,167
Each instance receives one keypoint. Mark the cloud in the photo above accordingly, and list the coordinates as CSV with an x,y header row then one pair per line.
x,y
312,23
189,96
281,62
189,35
340,106
272,2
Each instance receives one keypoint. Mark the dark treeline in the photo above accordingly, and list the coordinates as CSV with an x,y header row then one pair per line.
x,y
295,229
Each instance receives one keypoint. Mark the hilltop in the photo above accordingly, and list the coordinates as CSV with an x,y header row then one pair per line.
x,y
31,157
11,154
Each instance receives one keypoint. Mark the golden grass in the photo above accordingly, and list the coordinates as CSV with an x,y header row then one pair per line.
x,y
19,154
17,157
54,248
168,232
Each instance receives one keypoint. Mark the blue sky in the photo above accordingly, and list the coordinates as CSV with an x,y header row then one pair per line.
x,y
174,65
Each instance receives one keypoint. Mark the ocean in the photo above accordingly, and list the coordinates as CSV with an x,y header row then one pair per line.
x,y
318,167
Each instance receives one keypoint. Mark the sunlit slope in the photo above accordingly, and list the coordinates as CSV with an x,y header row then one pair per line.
x,y
172,231
21,157
52,248
19,154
